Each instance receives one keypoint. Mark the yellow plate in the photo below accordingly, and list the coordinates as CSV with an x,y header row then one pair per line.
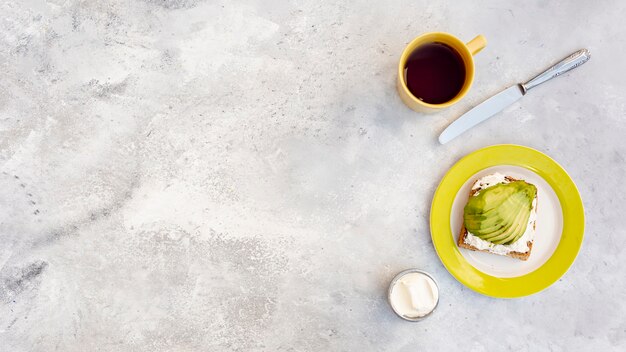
x,y
570,204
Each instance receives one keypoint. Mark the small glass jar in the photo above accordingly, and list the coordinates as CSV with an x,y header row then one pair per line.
x,y
396,305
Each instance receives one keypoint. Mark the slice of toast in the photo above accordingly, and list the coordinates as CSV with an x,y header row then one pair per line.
x,y
517,255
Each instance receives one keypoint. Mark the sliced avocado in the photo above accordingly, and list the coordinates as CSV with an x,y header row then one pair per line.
x,y
481,210
499,222
521,233
500,213
486,223
502,234
489,199
518,228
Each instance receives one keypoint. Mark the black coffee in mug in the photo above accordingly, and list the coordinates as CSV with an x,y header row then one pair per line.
x,y
435,73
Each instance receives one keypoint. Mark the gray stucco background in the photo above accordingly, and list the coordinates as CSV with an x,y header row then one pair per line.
x,y
213,176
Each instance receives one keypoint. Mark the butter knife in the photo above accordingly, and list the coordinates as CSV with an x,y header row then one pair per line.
x,y
498,102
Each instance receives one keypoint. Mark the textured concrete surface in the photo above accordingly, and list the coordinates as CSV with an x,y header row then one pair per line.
x,y
188,175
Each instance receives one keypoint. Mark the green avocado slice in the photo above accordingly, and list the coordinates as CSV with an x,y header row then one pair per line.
x,y
499,214
481,211
493,226
521,232
517,230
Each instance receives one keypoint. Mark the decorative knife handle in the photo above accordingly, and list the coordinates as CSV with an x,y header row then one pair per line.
x,y
569,63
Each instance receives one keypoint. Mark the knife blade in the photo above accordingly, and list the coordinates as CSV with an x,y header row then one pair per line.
x,y
481,112
498,102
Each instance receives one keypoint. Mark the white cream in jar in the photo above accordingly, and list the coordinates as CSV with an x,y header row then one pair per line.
x,y
413,294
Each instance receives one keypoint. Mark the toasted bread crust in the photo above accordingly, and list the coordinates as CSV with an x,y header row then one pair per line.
x,y
517,255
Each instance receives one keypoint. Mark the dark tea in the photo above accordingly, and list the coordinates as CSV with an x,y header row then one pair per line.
x,y
435,73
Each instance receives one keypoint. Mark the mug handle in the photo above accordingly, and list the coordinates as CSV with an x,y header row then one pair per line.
x,y
477,44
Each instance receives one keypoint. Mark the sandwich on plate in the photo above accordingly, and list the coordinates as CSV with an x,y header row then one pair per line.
x,y
500,217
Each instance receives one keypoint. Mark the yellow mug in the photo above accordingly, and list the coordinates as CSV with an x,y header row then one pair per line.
x,y
465,50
